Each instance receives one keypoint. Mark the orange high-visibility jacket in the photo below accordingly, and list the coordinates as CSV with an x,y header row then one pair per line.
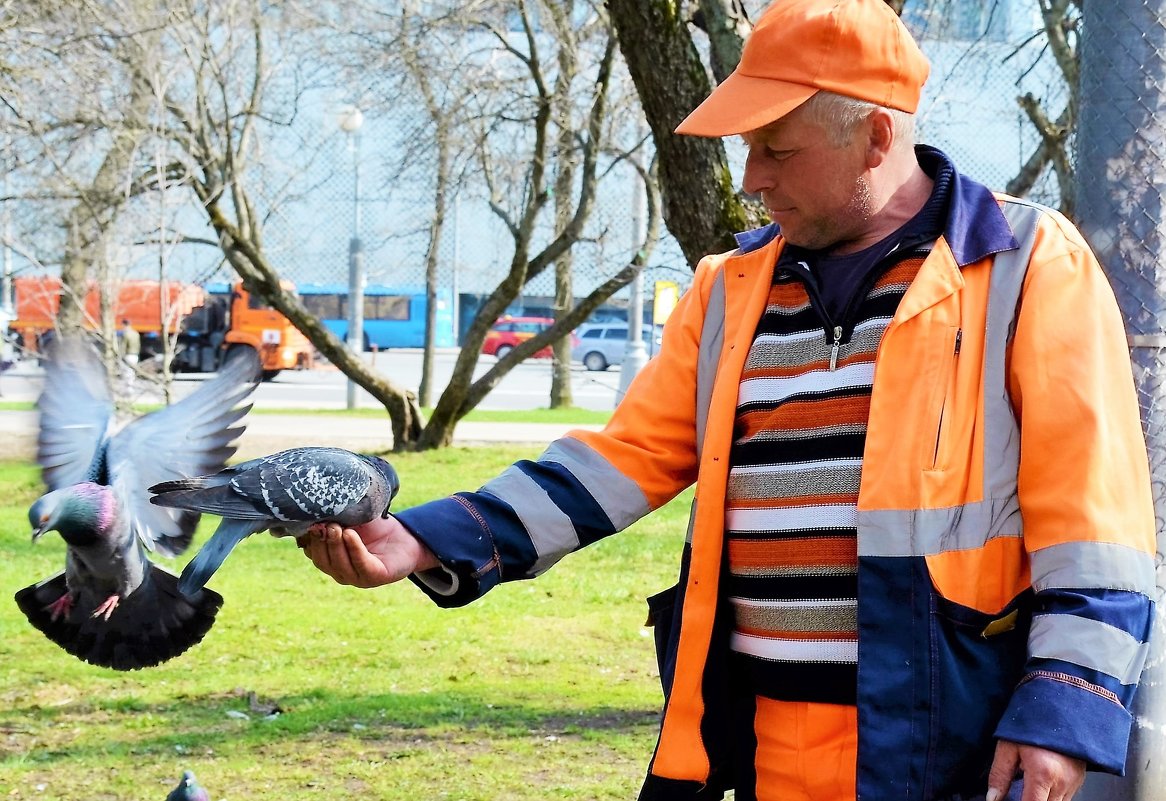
x,y
1005,523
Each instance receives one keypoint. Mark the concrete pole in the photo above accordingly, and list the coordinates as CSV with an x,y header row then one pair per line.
x,y
1121,182
635,354
351,122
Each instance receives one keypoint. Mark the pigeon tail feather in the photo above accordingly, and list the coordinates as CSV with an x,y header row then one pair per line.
x,y
180,484
153,624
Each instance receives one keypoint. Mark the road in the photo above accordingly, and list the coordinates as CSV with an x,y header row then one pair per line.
x,y
527,386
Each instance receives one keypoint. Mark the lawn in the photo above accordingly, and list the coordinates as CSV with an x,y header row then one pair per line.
x,y
543,689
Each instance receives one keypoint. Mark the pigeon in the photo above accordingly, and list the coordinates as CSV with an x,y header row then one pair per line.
x,y
285,493
188,789
112,606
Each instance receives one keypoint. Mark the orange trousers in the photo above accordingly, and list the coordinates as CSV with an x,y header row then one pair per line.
x,y
805,752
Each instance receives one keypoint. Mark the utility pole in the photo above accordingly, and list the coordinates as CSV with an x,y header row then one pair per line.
x,y
350,122
1121,185
635,355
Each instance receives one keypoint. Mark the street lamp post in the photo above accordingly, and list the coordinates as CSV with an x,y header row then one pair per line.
x,y
635,354
350,121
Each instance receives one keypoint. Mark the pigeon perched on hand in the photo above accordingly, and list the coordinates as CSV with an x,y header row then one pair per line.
x,y
285,493
188,789
112,606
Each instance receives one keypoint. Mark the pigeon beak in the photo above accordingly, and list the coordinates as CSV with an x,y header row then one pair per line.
x,y
40,530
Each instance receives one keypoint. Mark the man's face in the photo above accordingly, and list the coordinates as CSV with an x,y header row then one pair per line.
x,y
819,193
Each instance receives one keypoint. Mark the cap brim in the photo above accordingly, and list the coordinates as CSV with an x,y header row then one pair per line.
x,y
743,103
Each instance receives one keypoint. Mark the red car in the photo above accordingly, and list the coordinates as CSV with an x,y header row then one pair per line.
x,y
509,331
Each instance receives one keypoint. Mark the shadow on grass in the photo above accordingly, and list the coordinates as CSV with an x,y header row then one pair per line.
x,y
82,731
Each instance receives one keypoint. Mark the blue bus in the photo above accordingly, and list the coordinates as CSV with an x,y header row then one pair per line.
x,y
394,317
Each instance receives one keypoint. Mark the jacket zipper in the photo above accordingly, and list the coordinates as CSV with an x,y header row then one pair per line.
x,y
836,334
834,348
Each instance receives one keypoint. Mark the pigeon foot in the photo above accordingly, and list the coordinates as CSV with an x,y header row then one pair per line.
x,y
60,608
106,608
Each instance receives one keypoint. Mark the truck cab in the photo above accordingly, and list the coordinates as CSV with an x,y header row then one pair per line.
x,y
233,318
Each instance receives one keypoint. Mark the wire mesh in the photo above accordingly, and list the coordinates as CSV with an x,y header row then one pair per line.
x,y
1121,180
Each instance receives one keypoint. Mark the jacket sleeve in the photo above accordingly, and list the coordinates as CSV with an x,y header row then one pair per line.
x,y
584,487
1086,506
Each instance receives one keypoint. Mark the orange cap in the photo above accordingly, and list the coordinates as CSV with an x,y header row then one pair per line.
x,y
857,48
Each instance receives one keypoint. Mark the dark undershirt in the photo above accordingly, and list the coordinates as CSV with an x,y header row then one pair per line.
x,y
839,277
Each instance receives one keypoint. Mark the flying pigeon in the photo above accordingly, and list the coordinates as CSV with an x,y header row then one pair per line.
x,y
112,606
286,493
188,789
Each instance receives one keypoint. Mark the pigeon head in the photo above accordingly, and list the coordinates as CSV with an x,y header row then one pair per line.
x,y
79,513
188,789
391,479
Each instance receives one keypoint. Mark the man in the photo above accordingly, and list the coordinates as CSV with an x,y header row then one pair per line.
x,y
921,556
130,342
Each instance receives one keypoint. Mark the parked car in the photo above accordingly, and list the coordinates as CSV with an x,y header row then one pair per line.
x,y
604,344
508,331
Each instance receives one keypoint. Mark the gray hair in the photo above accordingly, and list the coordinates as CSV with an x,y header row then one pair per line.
x,y
840,116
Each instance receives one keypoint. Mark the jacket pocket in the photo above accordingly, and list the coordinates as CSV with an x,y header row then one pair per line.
x,y
944,397
977,660
662,620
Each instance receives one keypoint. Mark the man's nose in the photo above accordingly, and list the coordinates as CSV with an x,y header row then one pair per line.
x,y
759,174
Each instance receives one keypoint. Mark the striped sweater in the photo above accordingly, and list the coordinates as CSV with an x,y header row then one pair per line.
x,y
793,487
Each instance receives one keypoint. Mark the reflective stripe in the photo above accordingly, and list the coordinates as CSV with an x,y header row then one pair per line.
x,y
708,356
620,497
922,532
712,340
1001,432
1089,644
550,530
1088,565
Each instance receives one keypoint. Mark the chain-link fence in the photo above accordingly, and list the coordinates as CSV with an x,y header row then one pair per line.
x,y
984,54
1121,182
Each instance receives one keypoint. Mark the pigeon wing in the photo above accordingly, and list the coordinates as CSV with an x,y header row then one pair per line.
x,y
191,437
75,415
307,484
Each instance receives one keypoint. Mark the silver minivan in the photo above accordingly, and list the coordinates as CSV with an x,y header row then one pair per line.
x,y
604,344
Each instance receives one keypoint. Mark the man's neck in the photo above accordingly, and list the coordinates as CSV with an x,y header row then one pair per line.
x,y
906,191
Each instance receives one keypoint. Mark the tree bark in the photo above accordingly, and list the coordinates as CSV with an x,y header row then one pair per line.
x,y
701,207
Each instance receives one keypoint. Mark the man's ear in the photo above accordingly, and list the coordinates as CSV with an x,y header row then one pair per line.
x,y
880,130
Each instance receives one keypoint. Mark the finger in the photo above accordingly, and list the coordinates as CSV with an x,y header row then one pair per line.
x,y
329,554
1004,765
363,563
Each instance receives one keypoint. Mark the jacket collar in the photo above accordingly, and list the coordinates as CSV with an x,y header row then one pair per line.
x,y
975,226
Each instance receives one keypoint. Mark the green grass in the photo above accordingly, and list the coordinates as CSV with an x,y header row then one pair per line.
x,y
542,689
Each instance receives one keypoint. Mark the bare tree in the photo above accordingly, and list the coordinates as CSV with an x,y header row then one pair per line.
x,y
519,190
240,69
1060,19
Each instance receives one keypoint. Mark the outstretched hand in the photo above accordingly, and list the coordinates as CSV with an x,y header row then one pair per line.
x,y
371,555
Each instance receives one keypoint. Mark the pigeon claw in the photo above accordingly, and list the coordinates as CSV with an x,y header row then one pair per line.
x,y
106,608
60,608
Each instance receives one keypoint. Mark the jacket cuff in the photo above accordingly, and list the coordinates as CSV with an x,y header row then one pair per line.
x,y
1071,716
462,542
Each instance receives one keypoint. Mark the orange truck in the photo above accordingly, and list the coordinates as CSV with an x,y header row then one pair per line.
x,y
208,322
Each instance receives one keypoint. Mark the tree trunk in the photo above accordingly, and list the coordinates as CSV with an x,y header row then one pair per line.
x,y
727,25
425,390
247,258
701,206
561,396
